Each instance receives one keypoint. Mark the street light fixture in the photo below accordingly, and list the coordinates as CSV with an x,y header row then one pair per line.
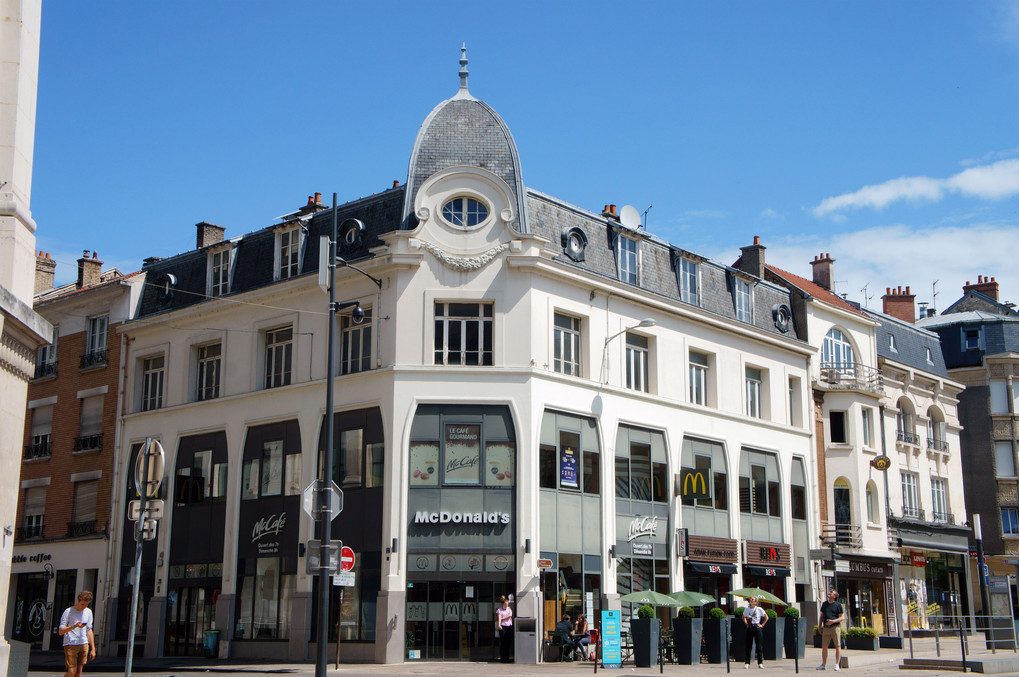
x,y
646,322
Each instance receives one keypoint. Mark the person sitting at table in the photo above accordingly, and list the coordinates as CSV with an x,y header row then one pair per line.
x,y
563,628
582,635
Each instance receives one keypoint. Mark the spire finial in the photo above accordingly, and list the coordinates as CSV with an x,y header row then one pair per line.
x,y
463,66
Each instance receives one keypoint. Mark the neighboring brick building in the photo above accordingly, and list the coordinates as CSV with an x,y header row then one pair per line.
x,y
69,441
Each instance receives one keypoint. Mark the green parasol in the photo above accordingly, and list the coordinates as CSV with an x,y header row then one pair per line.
x,y
761,595
649,597
686,598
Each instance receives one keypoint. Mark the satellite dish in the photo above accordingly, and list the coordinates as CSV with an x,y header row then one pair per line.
x,y
629,217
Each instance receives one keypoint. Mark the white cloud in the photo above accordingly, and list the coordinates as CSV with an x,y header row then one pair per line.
x,y
770,213
989,182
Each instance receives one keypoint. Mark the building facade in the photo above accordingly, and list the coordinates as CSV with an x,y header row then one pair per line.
x,y
520,380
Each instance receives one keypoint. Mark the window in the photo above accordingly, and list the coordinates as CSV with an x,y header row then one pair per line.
x,y
698,378
568,455
837,424
219,273
891,344
35,507
1004,459
152,383
759,486
356,346
999,396
90,434
868,427
871,503
719,498
795,406
95,342
463,334
84,516
910,496
905,422
971,339
266,596
209,364
798,491
637,362
641,470
465,212
288,253
688,281
930,356
466,449
202,480
1009,521
744,306
627,260
939,500
753,392
837,351
566,351
42,426
279,354
46,358
274,473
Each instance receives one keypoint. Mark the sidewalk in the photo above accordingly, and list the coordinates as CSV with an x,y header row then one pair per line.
x,y
884,662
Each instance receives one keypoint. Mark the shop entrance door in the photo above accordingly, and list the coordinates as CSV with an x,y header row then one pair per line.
x,y
460,622
190,612
30,609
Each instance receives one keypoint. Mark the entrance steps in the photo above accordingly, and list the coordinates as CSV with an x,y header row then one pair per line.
x,y
990,666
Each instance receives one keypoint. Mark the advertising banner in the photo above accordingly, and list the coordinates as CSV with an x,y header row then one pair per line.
x,y
611,649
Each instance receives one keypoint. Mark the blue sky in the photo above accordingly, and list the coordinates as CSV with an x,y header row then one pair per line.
x,y
883,133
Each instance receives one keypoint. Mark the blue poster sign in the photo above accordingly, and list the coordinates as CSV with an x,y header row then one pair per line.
x,y
568,468
611,649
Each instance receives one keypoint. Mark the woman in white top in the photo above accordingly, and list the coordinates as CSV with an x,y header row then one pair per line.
x,y
755,619
504,625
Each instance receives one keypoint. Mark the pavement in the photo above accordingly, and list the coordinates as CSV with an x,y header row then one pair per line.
x,y
882,663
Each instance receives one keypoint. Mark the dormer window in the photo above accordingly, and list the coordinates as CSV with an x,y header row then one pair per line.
x,y
464,212
219,272
688,281
891,344
743,300
627,260
288,253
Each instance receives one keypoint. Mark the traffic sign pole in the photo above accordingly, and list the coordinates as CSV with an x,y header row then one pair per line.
x,y
139,529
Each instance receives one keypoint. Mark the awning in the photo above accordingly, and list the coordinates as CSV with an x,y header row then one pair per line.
x,y
708,568
937,542
778,572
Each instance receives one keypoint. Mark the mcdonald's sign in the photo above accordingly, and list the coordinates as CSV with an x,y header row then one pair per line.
x,y
694,484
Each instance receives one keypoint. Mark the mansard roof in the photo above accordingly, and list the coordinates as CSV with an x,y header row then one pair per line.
x,y
911,344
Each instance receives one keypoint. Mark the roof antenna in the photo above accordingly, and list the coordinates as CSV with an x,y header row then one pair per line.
x,y
463,66
866,297
934,294
645,216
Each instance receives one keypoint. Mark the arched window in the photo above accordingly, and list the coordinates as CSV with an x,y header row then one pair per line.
x,y
872,511
905,422
936,430
837,351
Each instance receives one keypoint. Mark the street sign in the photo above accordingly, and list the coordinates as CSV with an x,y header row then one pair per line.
x,y
153,509
544,564
345,579
842,566
312,501
820,553
312,561
154,452
346,559
147,530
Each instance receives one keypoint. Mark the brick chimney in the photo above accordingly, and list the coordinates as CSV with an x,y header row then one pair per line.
x,y
822,268
89,270
44,270
985,285
610,212
208,233
752,260
899,304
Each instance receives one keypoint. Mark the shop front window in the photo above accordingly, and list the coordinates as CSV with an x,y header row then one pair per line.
x,y
264,609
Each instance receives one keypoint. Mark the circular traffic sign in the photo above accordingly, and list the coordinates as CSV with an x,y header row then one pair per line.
x,y
346,559
150,458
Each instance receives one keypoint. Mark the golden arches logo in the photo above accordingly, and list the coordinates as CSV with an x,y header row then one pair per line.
x,y
694,479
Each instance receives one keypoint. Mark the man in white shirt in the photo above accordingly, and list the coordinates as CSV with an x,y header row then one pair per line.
x,y
76,629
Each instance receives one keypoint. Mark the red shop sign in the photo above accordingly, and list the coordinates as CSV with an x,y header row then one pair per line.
x,y
917,559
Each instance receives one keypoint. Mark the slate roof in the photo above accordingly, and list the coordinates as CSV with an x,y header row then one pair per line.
x,y
814,290
911,344
974,300
106,279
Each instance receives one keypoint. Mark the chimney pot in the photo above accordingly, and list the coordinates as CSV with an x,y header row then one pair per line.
x,y
900,304
757,239
318,198
45,267
396,183
986,285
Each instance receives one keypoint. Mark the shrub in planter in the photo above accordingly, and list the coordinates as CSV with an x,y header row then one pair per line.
x,y
646,631
715,646
795,633
862,639
646,611
686,636
716,613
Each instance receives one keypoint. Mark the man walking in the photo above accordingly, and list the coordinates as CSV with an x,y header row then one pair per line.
x,y
830,622
76,629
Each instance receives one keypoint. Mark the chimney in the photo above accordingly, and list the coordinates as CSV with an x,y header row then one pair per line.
x,y
899,304
822,267
985,285
752,260
396,183
208,233
610,212
44,270
89,270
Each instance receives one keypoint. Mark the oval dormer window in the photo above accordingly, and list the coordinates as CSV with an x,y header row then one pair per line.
x,y
465,212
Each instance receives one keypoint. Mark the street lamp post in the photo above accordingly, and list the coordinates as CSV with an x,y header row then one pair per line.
x,y
325,509
647,322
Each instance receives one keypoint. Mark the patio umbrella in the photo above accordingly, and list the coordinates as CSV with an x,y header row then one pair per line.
x,y
649,597
686,598
761,595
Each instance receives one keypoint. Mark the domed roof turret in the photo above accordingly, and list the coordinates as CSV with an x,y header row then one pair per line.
x,y
464,132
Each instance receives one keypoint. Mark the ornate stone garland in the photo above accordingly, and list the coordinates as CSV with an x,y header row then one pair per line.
x,y
464,263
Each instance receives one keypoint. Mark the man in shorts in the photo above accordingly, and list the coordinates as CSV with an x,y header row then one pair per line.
x,y
76,629
830,623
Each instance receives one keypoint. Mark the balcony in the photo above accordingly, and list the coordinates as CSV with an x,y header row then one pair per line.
x,y
79,529
842,376
88,443
907,437
37,450
32,532
44,369
912,513
94,359
943,517
937,445
842,535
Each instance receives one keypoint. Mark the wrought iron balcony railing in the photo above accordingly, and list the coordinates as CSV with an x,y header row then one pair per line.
x,y
88,442
851,377
843,535
936,444
912,513
93,359
32,532
78,529
44,369
893,538
943,517
38,450
907,437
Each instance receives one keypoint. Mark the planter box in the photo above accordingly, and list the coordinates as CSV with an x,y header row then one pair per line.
x,y
796,640
716,648
774,639
738,639
889,642
686,638
646,633
862,643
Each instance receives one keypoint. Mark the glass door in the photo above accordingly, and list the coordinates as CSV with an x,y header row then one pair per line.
x,y
30,611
